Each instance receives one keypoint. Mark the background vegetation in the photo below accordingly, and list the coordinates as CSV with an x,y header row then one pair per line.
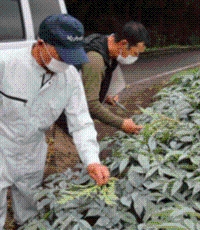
x,y
169,22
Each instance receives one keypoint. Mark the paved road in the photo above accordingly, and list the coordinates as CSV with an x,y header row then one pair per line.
x,y
160,65
152,71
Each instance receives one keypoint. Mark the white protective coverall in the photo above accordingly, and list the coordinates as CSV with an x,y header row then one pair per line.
x,y
27,109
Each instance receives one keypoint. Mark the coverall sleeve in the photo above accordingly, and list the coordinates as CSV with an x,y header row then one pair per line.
x,y
80,123
92,74
1,72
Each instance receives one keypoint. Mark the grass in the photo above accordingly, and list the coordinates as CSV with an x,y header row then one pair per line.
x,y
175,46
186,72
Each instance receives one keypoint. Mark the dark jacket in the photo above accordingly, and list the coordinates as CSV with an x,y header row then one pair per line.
x,y
98,43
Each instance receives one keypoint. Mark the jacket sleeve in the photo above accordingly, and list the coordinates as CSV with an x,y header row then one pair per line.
x,y
92,74
80,124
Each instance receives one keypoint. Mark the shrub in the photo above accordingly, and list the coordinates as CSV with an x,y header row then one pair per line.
x,y
155,179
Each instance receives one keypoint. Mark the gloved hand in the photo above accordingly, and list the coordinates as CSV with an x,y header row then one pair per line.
x,y
99,173
129,126
112,99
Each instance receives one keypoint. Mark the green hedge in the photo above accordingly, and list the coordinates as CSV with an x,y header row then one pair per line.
x,y
155,182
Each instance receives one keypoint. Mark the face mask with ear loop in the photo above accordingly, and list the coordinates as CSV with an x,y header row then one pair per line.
x,y
54,65
126,60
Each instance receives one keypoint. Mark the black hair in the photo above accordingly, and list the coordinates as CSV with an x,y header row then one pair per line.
x,y
133,32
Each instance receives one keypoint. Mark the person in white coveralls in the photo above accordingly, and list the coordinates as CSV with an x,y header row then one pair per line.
x,y
36,84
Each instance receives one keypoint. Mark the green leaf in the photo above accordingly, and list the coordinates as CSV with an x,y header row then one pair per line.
x,y
169,172
114,166
66,222
196,189
174,145
183,157
154,185
187,139
144,161
195,160
139,205
102,221
43,203
151,172
196,121
152,143
180,212
82,180
126,201
59,221
128,217
189,224
176,226
184,132
123,165
197,226
75,227
186,111
129,187
84,225
165,187
175,153
138,169
135,178
197,205
104,144
93,212
176,186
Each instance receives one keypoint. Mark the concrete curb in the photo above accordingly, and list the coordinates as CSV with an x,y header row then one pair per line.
x,y
168,51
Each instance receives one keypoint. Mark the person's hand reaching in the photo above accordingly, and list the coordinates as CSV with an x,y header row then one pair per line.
x,y
129,126
99,173
111,100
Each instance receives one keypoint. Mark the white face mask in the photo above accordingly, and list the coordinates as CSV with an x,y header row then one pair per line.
x,y
55,65
126,60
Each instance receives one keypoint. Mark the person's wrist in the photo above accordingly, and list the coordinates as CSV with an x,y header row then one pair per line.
x,y
124,125
94,163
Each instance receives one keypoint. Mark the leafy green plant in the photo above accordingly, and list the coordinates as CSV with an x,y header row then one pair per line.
x,y
157,171
73,201
105,192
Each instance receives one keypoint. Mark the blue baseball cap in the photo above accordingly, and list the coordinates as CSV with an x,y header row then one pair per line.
x,y
66,34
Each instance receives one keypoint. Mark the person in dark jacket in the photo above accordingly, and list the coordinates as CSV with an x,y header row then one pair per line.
x,y
104,53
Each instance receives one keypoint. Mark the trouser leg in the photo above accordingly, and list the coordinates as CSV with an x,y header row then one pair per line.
x,y
24,205
3,207
25,164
